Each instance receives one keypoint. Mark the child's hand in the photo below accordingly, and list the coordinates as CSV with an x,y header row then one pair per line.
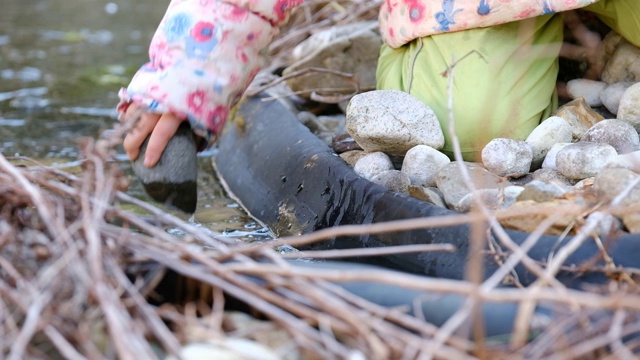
x,y
161,127
589,49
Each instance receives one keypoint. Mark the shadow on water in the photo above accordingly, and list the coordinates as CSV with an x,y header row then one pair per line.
x,y
61,64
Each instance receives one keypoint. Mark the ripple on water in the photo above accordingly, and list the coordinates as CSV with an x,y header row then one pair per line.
x,y
58,82
21,93
12,122
27,74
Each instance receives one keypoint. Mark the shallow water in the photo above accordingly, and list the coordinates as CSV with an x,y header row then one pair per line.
x,y
61,65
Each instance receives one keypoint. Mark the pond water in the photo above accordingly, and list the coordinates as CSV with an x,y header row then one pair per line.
x,y
61,65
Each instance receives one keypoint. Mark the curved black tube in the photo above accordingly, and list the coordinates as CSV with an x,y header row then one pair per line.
x,y
291,181
497,318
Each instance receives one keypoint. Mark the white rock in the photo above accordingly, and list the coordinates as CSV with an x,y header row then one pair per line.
x,y
421,164
452,185
372,164
226,349
629,109
428,194
507,157
585,183
584,159
493,199
551,176
606,224
550,132
351,157
393,122
630,161
393,180
539,191
580,116
611,42
624,64
588,89
612,94
611,183
550,160
619,134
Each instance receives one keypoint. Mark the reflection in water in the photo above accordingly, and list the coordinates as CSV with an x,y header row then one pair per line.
x,y
61,64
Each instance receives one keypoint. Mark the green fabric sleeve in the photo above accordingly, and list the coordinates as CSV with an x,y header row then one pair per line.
x,y
503,89
623,16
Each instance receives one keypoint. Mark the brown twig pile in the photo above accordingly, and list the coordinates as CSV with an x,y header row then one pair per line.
x,y
78,273
317,15
79,277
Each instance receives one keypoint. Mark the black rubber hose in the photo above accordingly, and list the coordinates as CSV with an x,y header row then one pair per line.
x,y
292,182
497,318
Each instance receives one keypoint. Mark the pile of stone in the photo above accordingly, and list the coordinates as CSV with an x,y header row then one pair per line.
x,y
573,163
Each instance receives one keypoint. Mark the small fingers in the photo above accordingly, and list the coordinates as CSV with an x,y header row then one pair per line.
x,y
573,52
134,139
164,130
132,111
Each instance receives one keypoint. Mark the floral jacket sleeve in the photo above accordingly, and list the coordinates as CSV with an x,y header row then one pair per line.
x,y
202,58
404,20
206,52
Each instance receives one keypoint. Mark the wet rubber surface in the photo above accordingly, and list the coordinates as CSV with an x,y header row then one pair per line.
x,y
287,178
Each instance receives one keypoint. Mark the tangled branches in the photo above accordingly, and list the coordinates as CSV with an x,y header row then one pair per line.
x,y
79,278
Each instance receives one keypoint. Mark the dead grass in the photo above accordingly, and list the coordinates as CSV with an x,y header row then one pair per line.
x,y
79,276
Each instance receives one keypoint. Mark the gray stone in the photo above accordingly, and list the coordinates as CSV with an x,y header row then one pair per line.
x,y
451,183
624,64
610,183
372,164
551,176
630,161
351,157
629,109
394,180
584,159
588,89
392,121
612,95
325,127
631,222
584,184
428,194
539,191
580,116
173,180
352,49
619,134
550,132
607,224
521,180
228,348
507,157
493,199
421,164
334,123
611,42
550,160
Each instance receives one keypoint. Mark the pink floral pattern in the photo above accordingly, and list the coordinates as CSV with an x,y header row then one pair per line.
x,y
206,52
404,20
202,31
202,58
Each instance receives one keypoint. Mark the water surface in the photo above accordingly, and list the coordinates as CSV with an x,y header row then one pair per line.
x,y
61,65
